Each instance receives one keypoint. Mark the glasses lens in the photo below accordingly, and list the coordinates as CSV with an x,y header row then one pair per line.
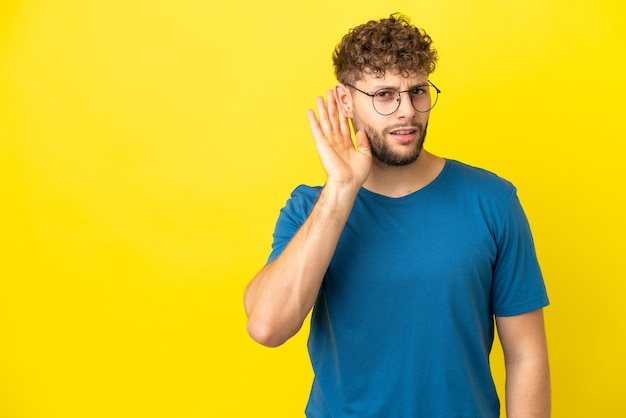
x,y
387,101
424,98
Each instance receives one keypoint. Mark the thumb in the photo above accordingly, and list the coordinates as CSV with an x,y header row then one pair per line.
x,y
362,142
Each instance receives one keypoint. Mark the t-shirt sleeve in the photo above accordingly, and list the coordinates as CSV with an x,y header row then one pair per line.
x,y
518,285
291,217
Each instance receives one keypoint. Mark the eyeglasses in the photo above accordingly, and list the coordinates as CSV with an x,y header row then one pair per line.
x,y
387,100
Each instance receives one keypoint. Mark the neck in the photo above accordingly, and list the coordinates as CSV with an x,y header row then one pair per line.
x,y
400,181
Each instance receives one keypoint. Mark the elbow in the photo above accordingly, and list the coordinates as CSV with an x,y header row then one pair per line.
x,y
264,333
267,325
259,329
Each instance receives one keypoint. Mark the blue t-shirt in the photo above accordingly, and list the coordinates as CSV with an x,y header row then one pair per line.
x,y
404,321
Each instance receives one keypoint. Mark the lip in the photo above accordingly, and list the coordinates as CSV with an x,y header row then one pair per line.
x,y
404,135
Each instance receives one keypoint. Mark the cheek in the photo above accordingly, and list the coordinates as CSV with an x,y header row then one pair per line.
x,y
364,119
356,120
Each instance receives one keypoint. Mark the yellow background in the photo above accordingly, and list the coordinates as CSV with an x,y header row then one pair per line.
x,y
147,146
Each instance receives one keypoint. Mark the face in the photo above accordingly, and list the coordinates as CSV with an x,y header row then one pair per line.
x,y
397,139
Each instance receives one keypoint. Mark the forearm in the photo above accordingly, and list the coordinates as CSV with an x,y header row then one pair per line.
x,y
525,349
528,388
280,297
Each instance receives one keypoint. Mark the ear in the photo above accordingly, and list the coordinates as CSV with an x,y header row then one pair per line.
x,y
343,97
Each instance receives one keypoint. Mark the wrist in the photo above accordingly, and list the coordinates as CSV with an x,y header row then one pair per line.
x,y
341,190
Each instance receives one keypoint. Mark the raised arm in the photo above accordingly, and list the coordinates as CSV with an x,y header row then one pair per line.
x,y
523,341
280,296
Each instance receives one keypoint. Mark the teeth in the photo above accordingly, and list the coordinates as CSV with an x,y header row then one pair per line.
x,y
403,132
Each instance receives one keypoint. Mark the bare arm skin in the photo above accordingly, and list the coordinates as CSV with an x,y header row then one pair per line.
x,y
523,341
280,296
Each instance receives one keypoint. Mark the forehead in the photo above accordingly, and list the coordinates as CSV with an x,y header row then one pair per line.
x,y
393,78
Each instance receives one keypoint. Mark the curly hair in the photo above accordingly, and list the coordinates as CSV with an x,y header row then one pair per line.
x,y
389,44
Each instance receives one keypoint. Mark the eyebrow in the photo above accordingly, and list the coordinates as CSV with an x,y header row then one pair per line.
x,y
377,87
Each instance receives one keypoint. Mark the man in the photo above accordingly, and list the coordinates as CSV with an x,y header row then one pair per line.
x,y
406,257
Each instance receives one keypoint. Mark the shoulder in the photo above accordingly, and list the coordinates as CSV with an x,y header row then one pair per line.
x,y
305,194
302,199
477,179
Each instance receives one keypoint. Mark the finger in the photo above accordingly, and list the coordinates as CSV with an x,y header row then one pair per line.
x,y
344,127
332,111
324,146
322,114
314,124
362,142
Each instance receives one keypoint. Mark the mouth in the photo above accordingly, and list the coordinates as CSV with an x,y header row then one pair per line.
x,y
403,131
404,134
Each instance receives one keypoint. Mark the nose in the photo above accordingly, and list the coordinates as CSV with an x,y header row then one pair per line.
x,y
405,109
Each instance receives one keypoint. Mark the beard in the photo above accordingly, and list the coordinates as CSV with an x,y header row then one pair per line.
x,y
383,152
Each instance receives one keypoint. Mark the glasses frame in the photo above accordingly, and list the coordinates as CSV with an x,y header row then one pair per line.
x,y
373,96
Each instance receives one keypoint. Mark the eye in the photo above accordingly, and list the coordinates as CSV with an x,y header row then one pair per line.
x,y
386,94
418,91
